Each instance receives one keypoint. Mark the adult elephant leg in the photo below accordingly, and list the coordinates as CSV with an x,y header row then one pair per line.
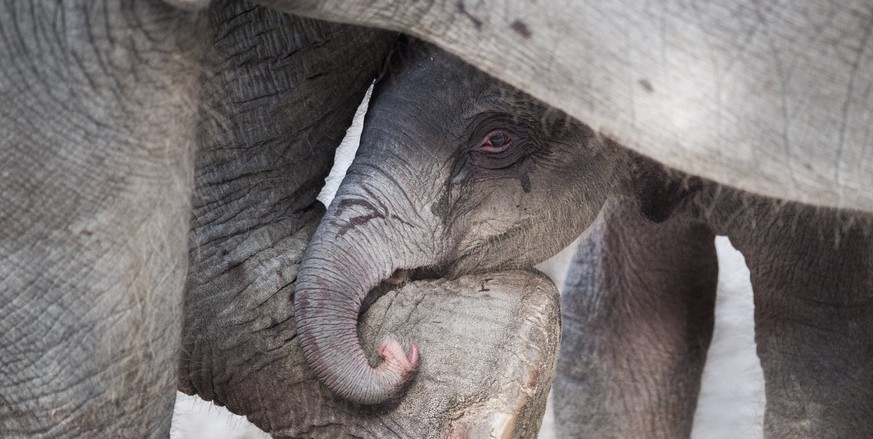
x,y
278,94
96,129
637,313
812,274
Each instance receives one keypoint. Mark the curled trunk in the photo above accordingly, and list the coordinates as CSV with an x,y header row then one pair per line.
x,y
332,283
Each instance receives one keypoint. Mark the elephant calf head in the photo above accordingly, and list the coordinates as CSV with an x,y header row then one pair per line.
x,y
454,175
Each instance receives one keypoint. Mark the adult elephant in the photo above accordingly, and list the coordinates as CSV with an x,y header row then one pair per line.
x,y
95,217
159,172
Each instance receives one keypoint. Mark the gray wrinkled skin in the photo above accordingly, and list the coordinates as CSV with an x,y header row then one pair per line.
x,y
639,310
105,104
96,143
159,171
490,363
772,100
812,276
421,196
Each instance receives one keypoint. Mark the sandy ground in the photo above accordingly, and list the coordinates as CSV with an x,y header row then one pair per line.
x,y
731,401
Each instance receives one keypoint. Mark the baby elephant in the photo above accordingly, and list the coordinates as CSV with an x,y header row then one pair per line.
x,y
458,173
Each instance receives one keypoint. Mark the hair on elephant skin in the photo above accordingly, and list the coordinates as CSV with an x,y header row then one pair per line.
x,y
459,173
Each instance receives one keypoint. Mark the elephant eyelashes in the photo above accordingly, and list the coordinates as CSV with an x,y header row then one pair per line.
x,y
495,142
499,149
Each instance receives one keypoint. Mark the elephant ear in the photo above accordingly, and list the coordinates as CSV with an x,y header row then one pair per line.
x,y
660,190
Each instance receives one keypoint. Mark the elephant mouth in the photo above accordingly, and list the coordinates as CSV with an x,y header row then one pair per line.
x,y
399,277
403,276
428,273
397,280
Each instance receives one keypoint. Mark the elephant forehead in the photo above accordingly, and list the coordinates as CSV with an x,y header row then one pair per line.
x,y
443,83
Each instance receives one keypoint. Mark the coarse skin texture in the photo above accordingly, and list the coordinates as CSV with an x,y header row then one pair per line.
x,y
454,165
772,99
117,117
423,193
102,110
278,92
490,362
637,312
96,142
812,275
280,101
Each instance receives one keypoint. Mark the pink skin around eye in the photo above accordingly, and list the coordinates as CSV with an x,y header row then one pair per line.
x,y
487,146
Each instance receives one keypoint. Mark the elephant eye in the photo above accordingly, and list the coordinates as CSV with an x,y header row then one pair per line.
x,y
495,142
499,149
